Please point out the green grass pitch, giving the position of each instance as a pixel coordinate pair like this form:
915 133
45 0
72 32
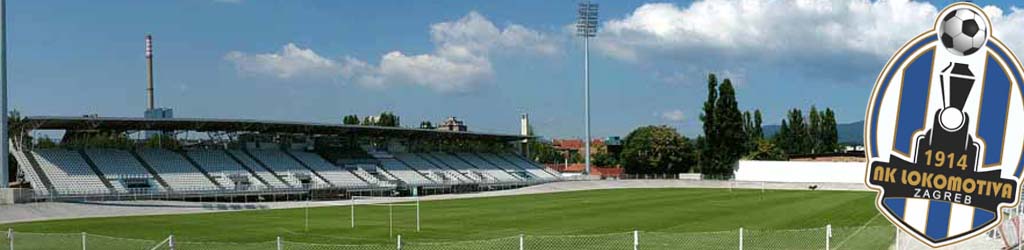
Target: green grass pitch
597 219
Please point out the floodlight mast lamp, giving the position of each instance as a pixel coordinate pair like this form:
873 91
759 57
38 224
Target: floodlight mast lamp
586 27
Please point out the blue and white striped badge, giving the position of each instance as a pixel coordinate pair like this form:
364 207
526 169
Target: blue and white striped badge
942 130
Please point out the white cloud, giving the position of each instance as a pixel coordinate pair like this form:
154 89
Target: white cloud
673 115
290 61
745 28
1008 27
838 40
461 59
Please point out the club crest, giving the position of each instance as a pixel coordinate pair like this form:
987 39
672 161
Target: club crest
944 130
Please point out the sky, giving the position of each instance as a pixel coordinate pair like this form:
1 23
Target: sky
485 62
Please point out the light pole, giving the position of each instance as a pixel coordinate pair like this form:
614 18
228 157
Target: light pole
586 27
4 166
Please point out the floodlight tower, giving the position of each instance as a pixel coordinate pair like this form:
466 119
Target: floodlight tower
586 27
4 166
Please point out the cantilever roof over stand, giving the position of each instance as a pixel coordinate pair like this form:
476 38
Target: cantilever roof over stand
244 125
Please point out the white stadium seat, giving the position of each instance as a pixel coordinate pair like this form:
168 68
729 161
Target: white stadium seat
176 171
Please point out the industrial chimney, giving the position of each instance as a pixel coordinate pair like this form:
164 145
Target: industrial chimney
152 112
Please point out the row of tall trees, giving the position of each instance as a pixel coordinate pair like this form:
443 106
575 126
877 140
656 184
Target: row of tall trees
729 134
815 134
385 119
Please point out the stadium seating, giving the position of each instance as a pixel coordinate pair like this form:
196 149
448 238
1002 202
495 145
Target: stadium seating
535 170
507 166
260 171
174 169
220 166
30 174
200 171
486 167
443 175
402 172
285 166
118 166
334 174
68 172
226 170
376 178
468 170
468 173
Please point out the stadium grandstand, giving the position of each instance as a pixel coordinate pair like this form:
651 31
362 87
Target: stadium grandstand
222 159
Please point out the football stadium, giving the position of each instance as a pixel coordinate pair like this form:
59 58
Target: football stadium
258 156
290 185
330 186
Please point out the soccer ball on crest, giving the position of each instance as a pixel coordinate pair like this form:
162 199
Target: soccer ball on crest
963 31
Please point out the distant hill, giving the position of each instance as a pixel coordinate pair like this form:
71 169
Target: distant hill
849 133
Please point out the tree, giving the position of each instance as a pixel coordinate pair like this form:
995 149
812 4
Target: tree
426 125
388 119
162 141
798 138
657 150
729 121
17 128
604 159
699 145
816 134
385 119
350 120
543 152
814 130
830 133
46 142
727 131
748 128
99 139
758 132
766 151
782 138
708 158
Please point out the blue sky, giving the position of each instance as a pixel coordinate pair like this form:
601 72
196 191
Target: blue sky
482 61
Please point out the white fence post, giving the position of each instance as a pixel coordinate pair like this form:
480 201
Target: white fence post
83 241
399 242
636 239
741 238
521 242
279 247
417 213
10 237
391 224
170 242
828 236
310 197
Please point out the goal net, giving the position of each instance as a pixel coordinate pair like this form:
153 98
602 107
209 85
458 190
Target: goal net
394 213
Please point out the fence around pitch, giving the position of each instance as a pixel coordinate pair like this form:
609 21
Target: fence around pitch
875 237
267 194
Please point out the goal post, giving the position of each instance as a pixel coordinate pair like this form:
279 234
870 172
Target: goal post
391 203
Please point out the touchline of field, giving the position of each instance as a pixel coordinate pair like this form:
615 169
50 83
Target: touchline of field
552 214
